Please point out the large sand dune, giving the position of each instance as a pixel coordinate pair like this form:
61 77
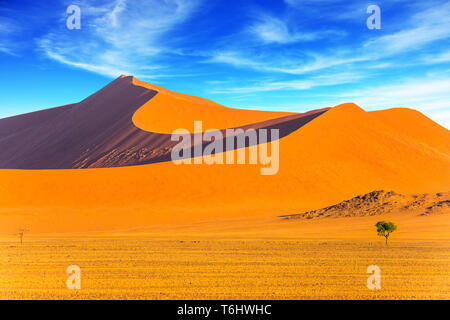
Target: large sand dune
100 131
341 153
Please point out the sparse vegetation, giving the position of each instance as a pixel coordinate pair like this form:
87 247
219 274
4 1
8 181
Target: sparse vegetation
384 229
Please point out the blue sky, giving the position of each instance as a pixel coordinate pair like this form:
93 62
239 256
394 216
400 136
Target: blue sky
291 55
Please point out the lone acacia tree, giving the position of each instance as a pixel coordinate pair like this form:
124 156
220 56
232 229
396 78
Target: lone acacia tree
384 229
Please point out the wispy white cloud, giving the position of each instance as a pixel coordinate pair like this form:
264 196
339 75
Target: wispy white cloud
7 26
8 29
235 59
274 30
118 37
303 3
107 69
423 28
309 63
411 90
319 62
442 117
437 58
303 84
428 95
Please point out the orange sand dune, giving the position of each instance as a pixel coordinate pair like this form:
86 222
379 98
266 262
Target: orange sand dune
169 110
98 132
341 153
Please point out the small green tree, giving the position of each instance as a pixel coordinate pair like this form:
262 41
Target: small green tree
384 229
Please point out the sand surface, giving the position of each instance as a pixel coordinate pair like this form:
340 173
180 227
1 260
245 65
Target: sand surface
297 259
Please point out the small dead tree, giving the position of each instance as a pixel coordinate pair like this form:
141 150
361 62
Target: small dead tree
21 234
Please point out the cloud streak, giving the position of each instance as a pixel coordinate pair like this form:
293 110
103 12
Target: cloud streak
428 26
121 37
274 30
428 95
298 85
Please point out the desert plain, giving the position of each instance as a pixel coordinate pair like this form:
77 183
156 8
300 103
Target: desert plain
318 259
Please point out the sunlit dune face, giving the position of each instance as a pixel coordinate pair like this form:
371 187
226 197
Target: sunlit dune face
169 111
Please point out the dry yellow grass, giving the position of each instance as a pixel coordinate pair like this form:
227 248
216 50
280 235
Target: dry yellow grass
206 268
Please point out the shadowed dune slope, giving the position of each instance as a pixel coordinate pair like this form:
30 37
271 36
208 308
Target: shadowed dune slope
341 153
99 131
